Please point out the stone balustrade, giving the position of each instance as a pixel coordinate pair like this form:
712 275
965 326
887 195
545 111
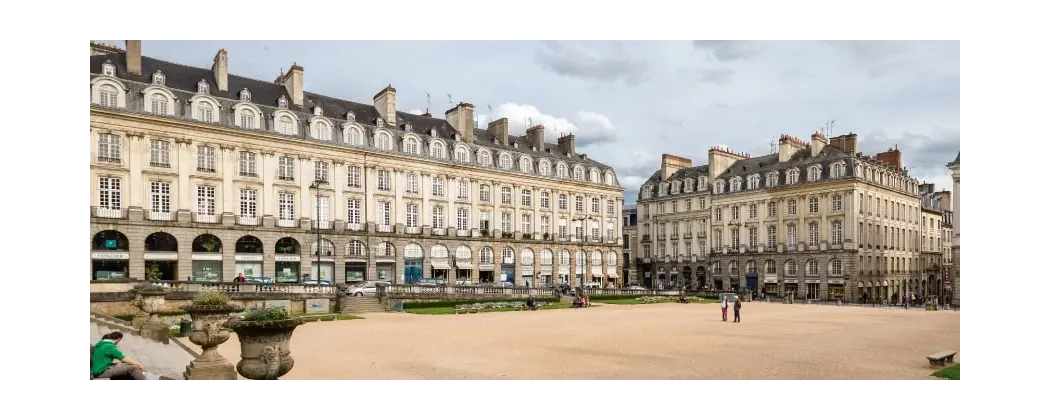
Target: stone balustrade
230 288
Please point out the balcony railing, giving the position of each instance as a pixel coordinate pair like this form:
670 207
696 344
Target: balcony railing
322 224
288 223
163 216
249 220
205 218
354 226
384 228
437 231
224 287
462 232
205 169
106 159
109 213
160 164
413 230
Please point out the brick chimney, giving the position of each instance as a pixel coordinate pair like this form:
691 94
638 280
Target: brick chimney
788 147
534 135
219 68
846 142
134 56
817 142
385 102
500 129
462 119
293 82
891 157
669 164
567 144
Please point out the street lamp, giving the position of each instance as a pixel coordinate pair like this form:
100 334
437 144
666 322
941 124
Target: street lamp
316 185
583 230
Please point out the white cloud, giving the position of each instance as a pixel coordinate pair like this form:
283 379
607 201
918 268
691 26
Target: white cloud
589 127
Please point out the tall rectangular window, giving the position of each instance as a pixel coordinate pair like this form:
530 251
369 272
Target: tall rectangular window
108 148
286 206
321 172
286 168
321 210
160 197
383 213
734 235
752 238
814 234
771 236
206 200
248 203
353 211
384 181
464 190
109 193
437 187
205 159
247 119
579 203
505 196
526 197
462 221
412 215
563 202
595 204
545 200
437 217
505 222
545 224
563 229
159 153
526 223
791 240
247 164
836 203
485 194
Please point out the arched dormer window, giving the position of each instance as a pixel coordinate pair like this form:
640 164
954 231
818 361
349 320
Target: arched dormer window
594 176
318 111
545 167
411 145
286 125
792 176
247 116
352 135
525 164
610 179
203 88
577 173
504 161
838 170
772 179
159 100
720 187
814 173
752 181
205 112
158 78
734 184
383 141
108 96
282 102
437 149
562 170
484 158
462 154
108 69
245 95
321 130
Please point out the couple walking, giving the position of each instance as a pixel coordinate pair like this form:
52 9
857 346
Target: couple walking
736 309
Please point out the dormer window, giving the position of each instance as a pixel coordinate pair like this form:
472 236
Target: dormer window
379 122
408 128
246 95
318 110
108 69
158 78
282 102
675 187
202 87
689 185
433 132
350 117
456 136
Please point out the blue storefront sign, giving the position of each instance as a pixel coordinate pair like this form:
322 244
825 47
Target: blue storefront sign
111 244
413 271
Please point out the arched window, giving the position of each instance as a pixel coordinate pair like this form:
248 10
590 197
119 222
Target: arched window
322 131
205 112
504 161
109 240
596 258
790 268
838 170
385 249
411 146
527 257
246 119
563 257
355 249
751 267
734 269
610 259
771 179
108 96
327 248
563 171
734 184
771 267
207 243
546 257
812 268
610 179
485 256
792 176
716 268
577 173
413 252
158 104
594 176
835 267
383 141
484 158
545 168
581 260
814 173
752 181
437 150
353 136
286 246
720 187
463 253
525 164
438 251
248 245
508 256
285 125
462 154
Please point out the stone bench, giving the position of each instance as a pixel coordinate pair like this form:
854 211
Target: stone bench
939 358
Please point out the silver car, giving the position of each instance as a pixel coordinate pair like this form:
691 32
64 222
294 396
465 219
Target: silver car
367 288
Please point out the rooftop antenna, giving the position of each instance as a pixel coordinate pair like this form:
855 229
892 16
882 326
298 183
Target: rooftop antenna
831 129
773 145
449 98
428 99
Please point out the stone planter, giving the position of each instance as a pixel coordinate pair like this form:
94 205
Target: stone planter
152 303
208 332
265 351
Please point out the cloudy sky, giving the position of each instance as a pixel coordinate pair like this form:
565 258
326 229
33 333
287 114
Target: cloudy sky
629 102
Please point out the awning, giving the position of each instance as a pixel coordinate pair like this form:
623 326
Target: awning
463 265
440 265
563 270
546 270
486 267
597 271
613 275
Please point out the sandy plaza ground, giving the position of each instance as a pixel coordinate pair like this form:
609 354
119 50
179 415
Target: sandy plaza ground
657 341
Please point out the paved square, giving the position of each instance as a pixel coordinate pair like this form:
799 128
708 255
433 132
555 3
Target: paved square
658 341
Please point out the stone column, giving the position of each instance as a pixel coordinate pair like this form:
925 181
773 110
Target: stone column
269 204
338 181
228 169
305 204
136 154
184 159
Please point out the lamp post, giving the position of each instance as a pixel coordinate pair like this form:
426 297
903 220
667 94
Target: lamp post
583 231
316 185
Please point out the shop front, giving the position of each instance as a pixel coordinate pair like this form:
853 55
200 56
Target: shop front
812 288
687 278
546 275
161 257
791 287
719 282
355 271
506 273
207 266
701 277
413 270
613 275
439 268
486 273
250 266
673 283
464 268
563 274
324 271
527 279
385 269
769 285
661 278
109 256
286 268
836 289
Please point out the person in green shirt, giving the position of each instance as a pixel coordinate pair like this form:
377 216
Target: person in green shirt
104 355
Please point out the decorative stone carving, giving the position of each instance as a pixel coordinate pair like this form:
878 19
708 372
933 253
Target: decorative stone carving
265 351
152 302
208 332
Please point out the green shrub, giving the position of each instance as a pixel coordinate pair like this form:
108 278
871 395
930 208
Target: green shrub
266 314
211 298
451 303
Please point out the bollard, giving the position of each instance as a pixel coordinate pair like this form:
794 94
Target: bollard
185 327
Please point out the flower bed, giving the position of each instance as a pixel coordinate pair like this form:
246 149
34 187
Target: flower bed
497 305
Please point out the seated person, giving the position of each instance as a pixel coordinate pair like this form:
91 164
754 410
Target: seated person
531 303
577 302
108 362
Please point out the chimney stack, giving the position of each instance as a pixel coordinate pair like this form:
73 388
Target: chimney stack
134 56
219 69
669 164
385 103
462 119
817 143
500 129
293 82
567 144
534 135
846 142
789 146
891 157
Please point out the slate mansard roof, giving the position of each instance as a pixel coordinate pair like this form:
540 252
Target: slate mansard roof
182 81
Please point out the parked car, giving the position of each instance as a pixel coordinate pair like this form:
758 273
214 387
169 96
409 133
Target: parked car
634 287
463 283
592 285
430 282
367 288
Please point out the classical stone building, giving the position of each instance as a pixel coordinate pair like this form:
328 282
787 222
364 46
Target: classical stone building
630 239
955 169
814 219
936 240
201 174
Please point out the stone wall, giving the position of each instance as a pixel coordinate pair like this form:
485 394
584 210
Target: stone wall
296 305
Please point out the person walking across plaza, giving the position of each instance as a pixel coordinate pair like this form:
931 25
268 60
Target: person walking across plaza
736 311
725 308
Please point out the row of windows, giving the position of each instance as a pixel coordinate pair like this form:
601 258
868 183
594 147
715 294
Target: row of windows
834 235
884 207
790 267
246 115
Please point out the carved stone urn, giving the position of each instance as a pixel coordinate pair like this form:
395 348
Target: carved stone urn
151 301
265 347
209 333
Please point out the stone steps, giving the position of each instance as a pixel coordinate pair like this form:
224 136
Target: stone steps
168 361
360 305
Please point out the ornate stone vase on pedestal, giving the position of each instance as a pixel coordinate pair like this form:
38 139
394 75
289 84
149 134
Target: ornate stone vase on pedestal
208 332
151 301
265 351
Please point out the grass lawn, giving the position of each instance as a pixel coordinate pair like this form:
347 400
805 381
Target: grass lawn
950 372
449 310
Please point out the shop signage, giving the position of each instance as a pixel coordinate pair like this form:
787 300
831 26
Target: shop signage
286 258
248 257
111 244
812 281
563 270
161 256
834 281
109 255
791 281
207 257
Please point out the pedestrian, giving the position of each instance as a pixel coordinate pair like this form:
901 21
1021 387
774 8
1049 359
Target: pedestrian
736 311
725 307
239 278
907 300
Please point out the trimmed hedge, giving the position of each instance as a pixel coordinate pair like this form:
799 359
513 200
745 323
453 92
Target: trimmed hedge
453 303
